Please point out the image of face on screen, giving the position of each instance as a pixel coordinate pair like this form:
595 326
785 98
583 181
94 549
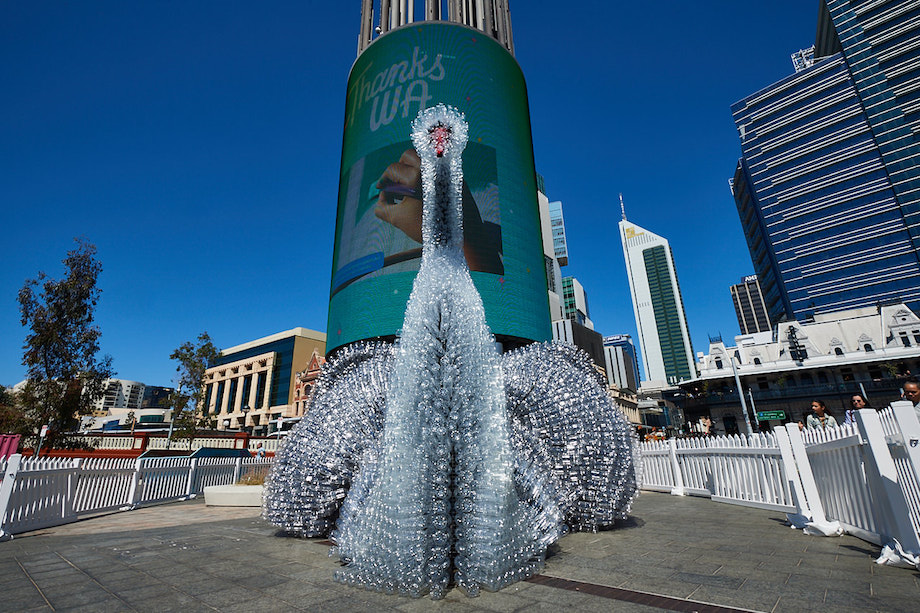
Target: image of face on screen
381 229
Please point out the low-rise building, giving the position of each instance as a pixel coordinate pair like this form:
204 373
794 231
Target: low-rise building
304 382
626 400
867 350
251 386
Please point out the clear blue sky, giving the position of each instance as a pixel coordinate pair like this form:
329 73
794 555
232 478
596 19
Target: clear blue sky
197 144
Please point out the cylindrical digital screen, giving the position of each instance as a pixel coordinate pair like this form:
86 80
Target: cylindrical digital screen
378 225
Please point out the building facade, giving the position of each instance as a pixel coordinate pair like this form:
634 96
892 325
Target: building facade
750 307
119 394
828 186
867 351
621 361
571 332
575 302
551 264
664 338
304 383
251 385
557 226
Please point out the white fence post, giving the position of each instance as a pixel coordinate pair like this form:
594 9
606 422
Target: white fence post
803 515
678 489
237 471
190 486
134 493
6 491
906 418
67 504
809 487
882 474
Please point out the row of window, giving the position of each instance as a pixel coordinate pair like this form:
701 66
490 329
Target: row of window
232 405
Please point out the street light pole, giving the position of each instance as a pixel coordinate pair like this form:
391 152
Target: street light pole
744 409
244 410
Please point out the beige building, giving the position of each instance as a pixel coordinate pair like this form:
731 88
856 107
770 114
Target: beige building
252 385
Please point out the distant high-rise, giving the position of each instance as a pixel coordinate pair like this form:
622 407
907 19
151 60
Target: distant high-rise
622 363
553 273
828 188
557 223
750 306
664 338
575 302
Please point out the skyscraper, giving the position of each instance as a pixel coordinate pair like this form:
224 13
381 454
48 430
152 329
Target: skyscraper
557 223
622 364
664 338
750 307
575 302
551 263
828 188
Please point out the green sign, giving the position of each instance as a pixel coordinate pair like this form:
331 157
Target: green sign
377 248
768 415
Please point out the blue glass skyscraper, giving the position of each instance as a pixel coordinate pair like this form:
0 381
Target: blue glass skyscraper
828 188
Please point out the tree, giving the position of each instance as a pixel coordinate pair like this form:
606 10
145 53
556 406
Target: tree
12 418
192 360
64 376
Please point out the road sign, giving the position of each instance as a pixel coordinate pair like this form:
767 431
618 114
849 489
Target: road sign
768 415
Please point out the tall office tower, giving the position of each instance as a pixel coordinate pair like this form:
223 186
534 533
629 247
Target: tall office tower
622 363
575 302
413 55
664 339
750 306
557 222
828 188
553 272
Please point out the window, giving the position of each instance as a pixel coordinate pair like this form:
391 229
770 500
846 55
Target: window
822 377
904 340
838 351
867 347
756 360
718 363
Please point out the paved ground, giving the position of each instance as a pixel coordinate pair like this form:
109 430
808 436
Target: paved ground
674 553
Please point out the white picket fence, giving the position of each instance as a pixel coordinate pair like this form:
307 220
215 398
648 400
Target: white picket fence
862 479
46 492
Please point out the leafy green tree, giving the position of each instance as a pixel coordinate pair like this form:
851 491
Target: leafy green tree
12 418
64 376
192 360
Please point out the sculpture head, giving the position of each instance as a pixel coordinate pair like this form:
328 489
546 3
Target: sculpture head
438 131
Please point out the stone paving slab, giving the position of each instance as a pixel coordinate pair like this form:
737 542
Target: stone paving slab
702 554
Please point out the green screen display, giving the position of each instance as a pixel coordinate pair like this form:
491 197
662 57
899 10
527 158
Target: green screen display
377 237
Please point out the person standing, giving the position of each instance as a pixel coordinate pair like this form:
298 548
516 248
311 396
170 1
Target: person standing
858 402
910 388
820 419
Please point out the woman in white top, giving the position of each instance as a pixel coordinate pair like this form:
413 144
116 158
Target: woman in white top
820 419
